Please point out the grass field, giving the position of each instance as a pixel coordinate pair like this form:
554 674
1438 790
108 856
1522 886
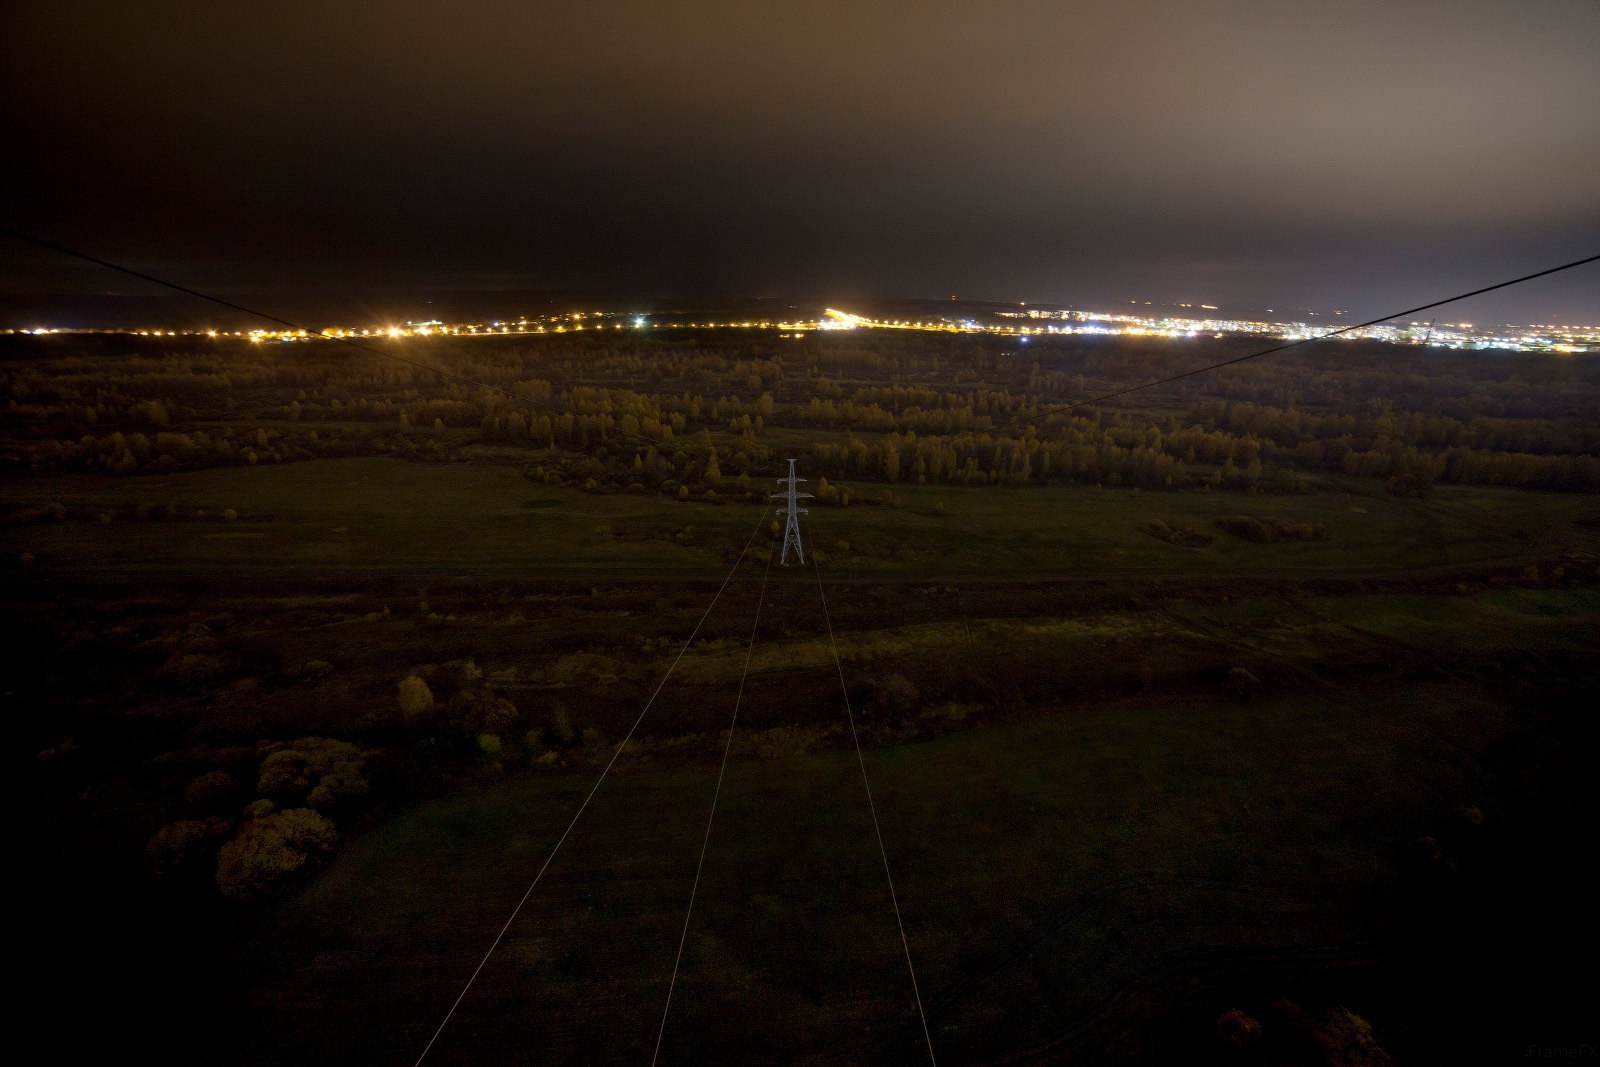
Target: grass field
386 516
1044 869
1057 874
1135 786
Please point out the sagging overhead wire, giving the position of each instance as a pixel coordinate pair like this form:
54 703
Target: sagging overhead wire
1087 401
509 394
590 796
1331 333
536 403
872 807
716 794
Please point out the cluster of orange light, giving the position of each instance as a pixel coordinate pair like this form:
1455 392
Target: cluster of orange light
1570 339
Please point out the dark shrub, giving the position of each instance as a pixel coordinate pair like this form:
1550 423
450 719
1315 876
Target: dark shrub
318 771
268 854
1268 531
1183 536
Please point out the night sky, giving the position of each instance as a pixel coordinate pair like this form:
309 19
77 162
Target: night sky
1351 155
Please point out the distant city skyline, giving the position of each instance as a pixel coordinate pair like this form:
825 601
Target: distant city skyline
1020 322
102 299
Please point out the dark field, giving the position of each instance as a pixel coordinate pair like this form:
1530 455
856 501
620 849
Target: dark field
1284 760
390 517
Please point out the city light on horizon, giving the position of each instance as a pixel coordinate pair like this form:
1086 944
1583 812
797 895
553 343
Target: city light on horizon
1037 321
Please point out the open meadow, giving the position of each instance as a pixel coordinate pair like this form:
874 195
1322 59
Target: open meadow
1263 708
383 516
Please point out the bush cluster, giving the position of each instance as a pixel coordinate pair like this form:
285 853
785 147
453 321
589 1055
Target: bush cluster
1268 530
1185 536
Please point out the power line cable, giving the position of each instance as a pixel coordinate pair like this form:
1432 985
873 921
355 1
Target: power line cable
509 394
1336 333
1069 408
534 402
711 818
873 808
592 790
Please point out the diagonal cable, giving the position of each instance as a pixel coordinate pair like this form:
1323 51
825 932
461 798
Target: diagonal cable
1069 408
873 808
1332 333
592 790
509 394
711 818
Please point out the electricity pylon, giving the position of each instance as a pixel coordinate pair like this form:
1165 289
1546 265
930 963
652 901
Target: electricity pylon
793 511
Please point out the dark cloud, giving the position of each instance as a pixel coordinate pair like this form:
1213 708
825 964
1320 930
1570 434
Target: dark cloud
1258 152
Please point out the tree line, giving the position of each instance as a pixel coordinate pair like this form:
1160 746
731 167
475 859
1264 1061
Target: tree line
699 414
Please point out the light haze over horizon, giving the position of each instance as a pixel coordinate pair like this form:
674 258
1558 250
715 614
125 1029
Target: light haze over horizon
1249 154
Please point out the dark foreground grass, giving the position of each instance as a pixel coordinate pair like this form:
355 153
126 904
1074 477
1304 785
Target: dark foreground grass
1050 871
1109 837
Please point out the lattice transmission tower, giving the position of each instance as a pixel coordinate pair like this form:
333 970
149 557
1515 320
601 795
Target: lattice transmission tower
792 511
